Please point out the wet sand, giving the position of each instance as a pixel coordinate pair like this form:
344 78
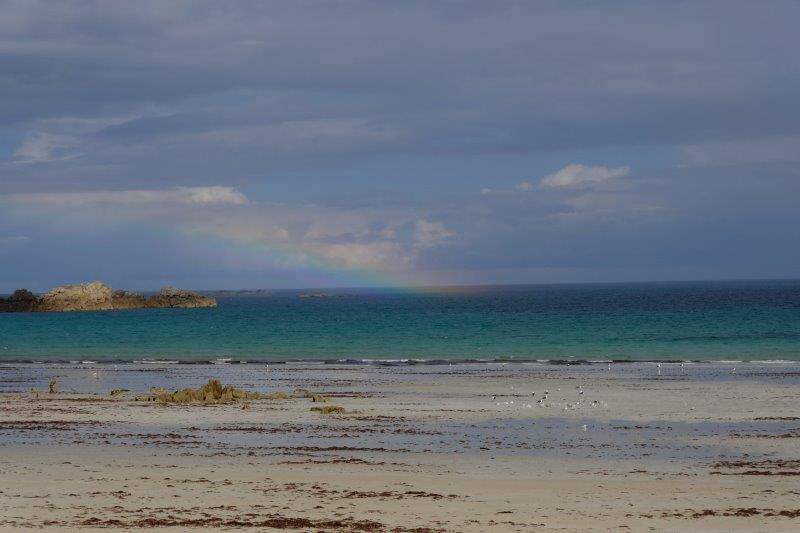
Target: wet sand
418 448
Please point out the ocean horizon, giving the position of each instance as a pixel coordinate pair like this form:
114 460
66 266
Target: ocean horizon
755 320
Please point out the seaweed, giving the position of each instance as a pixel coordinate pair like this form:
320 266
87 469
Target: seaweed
328 409
211 393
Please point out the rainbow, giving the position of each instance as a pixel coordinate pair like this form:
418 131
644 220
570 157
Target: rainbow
290 255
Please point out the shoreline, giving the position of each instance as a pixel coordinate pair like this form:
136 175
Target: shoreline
394 361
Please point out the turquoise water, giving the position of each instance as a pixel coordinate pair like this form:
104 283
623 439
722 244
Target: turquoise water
681 321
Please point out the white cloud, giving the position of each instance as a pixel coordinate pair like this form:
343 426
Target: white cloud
576 175
210 195
572 176
46 148
307 235
278 234
214 195
428 234
364 255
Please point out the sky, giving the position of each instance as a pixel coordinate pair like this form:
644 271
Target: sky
226 145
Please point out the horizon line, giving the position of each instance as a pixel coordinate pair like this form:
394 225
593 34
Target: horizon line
500 285
452 287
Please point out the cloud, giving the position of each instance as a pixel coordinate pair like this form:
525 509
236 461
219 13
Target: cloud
344 134
576 175
278 234
572 176
14 239
214 195
428 234
765 150
46 148
379 255
608 203
523 186
388 249
259 90
346 238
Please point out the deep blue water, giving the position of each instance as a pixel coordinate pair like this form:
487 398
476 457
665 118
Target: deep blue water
686 321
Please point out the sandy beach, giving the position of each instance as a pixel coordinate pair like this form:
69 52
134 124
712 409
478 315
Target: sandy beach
468 447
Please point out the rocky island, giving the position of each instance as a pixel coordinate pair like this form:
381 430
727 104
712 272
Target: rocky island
97 296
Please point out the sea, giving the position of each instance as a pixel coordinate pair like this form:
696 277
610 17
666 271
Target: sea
724 321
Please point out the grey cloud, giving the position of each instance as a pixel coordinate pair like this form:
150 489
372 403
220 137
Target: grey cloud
764 150
373 123
514 77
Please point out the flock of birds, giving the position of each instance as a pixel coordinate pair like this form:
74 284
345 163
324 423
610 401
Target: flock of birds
542 401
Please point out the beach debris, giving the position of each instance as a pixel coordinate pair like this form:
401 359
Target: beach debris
328 409
319 398
53 388
211 393
118 392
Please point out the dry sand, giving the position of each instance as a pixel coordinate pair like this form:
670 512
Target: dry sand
417 449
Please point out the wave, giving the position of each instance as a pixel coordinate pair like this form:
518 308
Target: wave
392 362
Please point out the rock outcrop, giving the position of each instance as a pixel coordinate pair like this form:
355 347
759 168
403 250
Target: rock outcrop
97 296
172 297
